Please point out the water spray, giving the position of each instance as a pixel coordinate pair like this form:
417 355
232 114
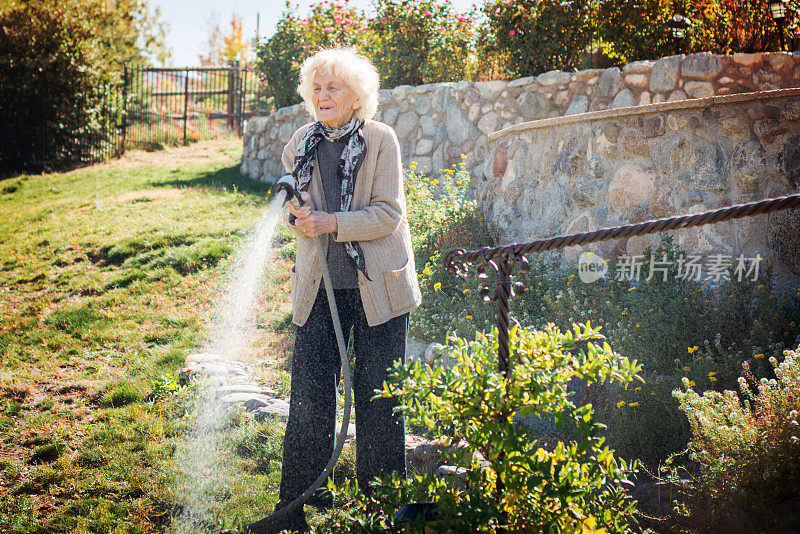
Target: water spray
286 187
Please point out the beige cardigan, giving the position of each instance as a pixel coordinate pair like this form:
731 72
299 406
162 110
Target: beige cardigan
377 220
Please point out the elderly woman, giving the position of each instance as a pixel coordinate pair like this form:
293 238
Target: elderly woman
349 165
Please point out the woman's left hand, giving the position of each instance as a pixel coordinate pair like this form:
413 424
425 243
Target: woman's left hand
317 223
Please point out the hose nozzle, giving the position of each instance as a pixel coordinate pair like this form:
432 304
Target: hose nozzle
293 195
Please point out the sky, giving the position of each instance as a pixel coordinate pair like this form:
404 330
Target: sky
188 21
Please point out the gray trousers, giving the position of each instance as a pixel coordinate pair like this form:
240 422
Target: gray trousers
310 431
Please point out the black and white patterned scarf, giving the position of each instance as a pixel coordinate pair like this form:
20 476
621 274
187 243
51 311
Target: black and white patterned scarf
352 156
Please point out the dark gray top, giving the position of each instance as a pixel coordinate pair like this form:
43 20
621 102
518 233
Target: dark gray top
344 274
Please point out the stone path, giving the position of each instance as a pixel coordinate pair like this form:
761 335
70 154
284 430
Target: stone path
233 384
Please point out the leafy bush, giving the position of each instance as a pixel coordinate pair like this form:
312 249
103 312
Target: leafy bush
279 57
535 36
563 482
410 42
747 447
635 29
675 328
58 61
421 41
442 218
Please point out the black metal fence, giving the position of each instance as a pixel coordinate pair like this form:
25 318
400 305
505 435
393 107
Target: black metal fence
178 105
44 129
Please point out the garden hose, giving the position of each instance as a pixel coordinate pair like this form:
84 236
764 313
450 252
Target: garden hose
265 526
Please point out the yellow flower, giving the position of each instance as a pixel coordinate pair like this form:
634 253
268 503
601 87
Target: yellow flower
712 373
686 369
712 378
469 317
463 156
458 182
638 388
677 360
437 286
691 349
637 325
434 181
426 271
758 356
466 290
691 383
624 312
634 404
620 404
631 288
652 393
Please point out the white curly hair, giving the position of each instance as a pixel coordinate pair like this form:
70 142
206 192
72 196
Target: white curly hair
354 69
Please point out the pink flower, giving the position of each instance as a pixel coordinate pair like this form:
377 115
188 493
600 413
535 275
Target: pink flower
427 13
440 29
383 19
328 29
511 33
305 47
348 21
337 18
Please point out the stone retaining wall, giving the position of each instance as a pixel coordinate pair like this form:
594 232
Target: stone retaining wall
575 174
437 123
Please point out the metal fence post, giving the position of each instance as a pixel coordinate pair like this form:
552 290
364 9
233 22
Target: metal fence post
231 96
124 106
185 103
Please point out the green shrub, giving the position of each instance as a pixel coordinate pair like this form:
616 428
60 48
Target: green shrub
278 58
60 67
565 482
421 41
534 36
747 447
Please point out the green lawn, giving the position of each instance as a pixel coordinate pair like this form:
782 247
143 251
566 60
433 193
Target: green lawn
107 277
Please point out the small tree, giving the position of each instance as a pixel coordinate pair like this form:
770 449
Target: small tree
535 36
567 481
635 29
421 41
221 48
279 57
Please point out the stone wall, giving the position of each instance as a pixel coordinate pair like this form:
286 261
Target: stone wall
437 123
574 174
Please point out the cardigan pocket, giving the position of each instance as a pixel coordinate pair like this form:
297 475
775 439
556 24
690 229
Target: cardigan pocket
399 284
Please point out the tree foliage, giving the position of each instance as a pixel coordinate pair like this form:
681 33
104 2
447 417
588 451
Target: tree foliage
535 36
56 61
225 48
279 57
421 41
563 481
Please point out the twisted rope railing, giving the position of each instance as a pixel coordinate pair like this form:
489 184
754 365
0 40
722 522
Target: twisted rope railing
502 259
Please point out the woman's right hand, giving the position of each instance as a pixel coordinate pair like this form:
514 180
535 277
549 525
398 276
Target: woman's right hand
304 210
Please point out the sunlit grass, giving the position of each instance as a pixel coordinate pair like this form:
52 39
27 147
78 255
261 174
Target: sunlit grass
107 278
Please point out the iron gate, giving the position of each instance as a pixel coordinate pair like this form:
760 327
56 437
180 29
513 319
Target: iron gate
178 105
